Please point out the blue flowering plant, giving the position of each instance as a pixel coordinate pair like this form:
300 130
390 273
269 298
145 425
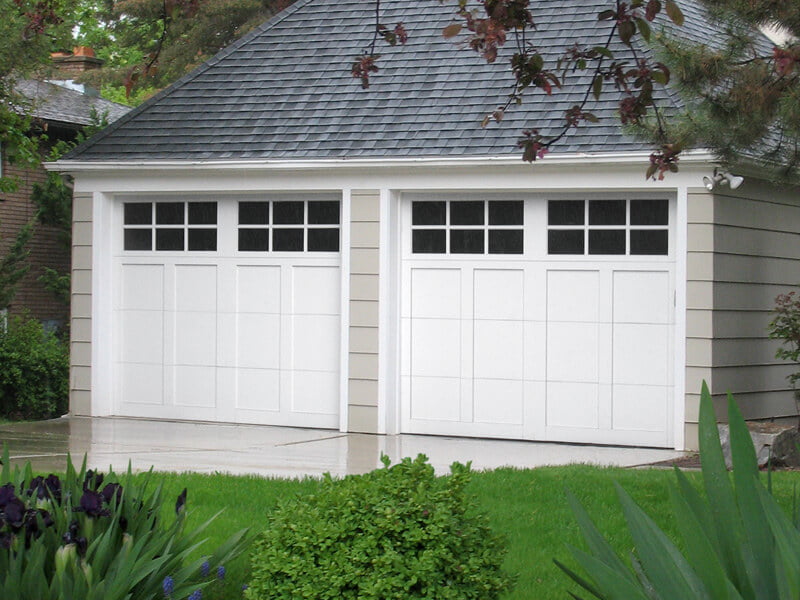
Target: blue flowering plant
99 537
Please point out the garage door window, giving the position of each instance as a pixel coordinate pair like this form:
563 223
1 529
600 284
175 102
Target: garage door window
170 226
608 227
293 226
467 227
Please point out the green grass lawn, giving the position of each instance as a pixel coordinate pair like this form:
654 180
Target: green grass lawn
528 507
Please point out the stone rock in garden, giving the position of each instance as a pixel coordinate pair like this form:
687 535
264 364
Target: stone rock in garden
781 440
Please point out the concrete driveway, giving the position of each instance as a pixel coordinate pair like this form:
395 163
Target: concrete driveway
278 451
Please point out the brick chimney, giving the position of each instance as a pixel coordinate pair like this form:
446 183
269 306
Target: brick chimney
80 60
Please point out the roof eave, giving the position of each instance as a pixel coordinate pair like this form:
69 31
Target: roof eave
619 158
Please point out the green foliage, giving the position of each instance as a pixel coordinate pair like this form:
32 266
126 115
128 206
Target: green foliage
737 542
93 537
786 326
397 532
34 378
741 92
13 266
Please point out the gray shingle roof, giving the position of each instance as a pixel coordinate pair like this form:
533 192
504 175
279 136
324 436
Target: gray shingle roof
54 103
285 92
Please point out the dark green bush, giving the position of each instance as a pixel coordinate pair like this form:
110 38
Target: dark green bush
90 536
397 532
34 371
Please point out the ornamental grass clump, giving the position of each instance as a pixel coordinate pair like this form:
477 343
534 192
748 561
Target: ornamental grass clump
89 536
737 542
398 532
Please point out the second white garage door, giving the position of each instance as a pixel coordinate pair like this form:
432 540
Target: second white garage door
539 318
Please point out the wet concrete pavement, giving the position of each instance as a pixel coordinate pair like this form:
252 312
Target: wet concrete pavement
278 451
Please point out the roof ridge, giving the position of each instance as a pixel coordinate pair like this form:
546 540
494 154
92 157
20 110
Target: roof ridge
193 74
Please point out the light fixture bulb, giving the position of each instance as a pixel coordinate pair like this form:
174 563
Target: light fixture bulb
735 181
708 182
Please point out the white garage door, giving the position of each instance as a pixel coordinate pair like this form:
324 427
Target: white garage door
539 318
228 310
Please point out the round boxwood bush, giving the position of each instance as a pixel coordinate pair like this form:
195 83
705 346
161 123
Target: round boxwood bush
397 532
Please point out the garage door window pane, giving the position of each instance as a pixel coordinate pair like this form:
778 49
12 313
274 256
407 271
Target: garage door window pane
606 212
323 240
565 241
138 239
506 212
138 213
650 242
170 213
429 241
253 213
649 212
287 213
253 240
202 213
203 240
607 241
466 213
505 241
565 212
428 213
323 213
169 239
466 241
287 240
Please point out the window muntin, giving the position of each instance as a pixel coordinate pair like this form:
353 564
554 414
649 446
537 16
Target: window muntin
608 227
170 226
289 226
467 227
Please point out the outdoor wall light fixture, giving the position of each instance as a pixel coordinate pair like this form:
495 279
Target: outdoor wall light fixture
722 178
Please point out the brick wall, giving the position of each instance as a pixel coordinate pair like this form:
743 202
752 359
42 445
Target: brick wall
16 209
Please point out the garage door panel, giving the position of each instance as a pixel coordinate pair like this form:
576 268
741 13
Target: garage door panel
642 354
498 401
195 338
258 338
498 350
315 392
572 352
573 296
143 336
499 294
436 293
258 289
436 347
315 290
141 384
642 297
195 387
640 407
258 389
573 405
436 398
142 287
315 343
195 288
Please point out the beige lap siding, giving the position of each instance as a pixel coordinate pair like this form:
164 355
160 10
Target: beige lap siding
364 286
744 249
80 399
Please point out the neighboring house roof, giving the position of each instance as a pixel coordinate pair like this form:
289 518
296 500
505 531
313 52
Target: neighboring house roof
58 104
285 91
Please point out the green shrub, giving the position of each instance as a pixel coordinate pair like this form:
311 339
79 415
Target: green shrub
34 372
737 542
88 536
397 532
